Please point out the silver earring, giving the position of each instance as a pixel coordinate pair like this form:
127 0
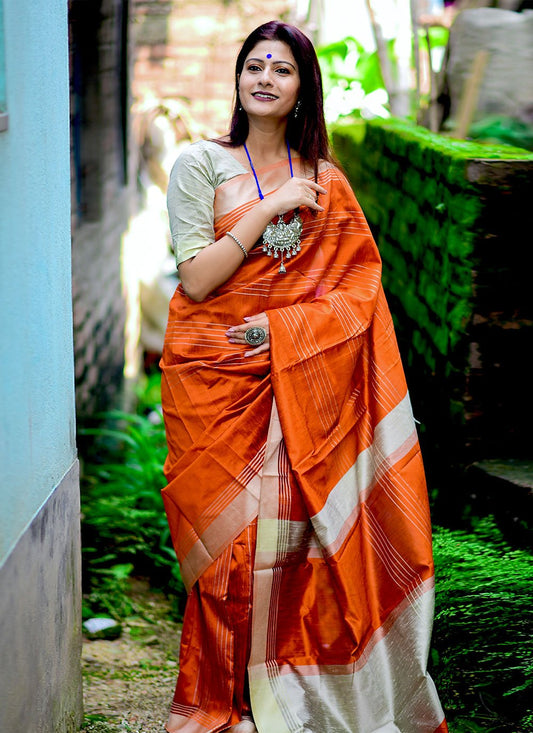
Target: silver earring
297 108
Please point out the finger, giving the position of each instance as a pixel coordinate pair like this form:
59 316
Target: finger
237 334
317 187
308 182
259 350
242 328
236 337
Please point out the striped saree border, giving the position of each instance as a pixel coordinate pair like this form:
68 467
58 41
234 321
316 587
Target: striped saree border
385 690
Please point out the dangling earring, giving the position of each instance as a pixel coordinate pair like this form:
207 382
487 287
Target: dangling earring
297 108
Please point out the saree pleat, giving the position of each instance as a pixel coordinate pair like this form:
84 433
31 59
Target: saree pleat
215 642
296 495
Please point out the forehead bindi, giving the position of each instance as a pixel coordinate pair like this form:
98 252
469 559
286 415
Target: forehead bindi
273 51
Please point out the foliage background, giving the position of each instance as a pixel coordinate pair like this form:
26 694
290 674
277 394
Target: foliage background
124 527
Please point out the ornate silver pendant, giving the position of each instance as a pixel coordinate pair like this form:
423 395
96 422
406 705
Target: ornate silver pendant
282 238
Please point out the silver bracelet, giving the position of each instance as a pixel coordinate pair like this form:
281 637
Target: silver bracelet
238 241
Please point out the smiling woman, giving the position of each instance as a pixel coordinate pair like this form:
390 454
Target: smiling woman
270 82
296 496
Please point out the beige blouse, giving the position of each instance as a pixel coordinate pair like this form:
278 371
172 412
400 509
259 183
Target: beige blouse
198 171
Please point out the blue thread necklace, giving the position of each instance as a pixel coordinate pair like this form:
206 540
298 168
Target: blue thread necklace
280 239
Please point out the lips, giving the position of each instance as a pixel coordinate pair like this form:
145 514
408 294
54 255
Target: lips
264 95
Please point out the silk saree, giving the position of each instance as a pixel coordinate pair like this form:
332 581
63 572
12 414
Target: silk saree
296 495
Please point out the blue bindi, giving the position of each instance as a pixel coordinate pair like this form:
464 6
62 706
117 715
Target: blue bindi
269 55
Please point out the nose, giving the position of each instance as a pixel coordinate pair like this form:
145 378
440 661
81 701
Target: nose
265 78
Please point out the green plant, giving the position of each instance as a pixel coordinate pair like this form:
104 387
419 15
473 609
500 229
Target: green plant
148 393
482 658
352 80
124 527
502 130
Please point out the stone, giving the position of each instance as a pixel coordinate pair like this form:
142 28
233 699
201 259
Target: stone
507 86
102 628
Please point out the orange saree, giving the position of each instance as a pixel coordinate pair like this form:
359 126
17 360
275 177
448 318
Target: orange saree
296 495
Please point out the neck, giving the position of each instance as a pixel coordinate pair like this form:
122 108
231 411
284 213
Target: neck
267 144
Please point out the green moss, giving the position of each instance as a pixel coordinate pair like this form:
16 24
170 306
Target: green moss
395 269
459 316
465 209
427 196
461 288
460 242
437 298
451 147
419 342
354 131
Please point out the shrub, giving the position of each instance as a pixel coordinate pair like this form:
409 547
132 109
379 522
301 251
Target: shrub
124 527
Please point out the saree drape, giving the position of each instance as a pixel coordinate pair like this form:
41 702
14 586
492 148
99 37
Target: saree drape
296 495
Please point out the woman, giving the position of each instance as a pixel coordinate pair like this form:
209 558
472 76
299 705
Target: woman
296 496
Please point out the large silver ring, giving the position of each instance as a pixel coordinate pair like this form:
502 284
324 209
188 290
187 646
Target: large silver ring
255 336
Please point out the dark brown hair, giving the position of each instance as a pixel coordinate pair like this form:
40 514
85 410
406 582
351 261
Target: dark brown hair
306 132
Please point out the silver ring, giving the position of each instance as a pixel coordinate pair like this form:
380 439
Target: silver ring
255 336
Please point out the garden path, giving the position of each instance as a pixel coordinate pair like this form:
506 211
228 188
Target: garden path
129 682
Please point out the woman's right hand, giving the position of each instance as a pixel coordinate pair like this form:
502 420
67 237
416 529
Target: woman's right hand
294 193
215 264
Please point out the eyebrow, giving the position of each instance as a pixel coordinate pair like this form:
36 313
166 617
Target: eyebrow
280 61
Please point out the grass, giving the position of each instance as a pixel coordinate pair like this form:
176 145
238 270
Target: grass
482 657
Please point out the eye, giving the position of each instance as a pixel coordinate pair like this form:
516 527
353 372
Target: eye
283 70
253 67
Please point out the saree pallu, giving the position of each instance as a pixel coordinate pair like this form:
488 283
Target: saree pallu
296 495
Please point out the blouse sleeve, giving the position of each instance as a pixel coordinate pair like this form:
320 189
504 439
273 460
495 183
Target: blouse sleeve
190 201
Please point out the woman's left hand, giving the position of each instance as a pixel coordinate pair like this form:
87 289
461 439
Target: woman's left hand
235 334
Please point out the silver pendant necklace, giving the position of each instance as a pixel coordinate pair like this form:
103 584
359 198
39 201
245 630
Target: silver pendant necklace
280 239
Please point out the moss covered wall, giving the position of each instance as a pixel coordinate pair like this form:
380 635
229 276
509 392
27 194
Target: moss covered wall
452 222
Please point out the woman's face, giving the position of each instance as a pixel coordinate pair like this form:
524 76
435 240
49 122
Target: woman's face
269 82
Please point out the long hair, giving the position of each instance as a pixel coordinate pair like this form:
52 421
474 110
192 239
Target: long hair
306 131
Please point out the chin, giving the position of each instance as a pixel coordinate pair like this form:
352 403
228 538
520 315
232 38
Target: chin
268 112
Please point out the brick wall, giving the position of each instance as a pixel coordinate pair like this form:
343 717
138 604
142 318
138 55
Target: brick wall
185 51
103 164
450 218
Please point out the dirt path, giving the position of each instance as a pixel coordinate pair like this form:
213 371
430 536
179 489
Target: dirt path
129 682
